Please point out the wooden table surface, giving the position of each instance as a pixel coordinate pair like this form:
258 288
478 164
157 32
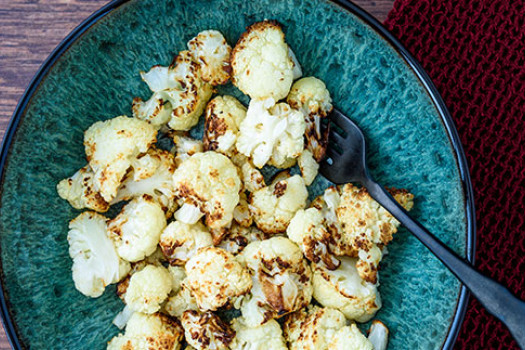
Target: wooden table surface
31 29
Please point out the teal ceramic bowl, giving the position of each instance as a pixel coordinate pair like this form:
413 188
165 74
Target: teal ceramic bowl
94 75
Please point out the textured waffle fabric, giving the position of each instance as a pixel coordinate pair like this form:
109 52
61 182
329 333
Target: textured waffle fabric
474 51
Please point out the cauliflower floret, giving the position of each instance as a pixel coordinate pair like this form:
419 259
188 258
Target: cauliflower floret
296 70
212 52
310 96
273 207
178 90
238 237
252 179
186 147
216 278
148 288
271 133
268 336
224 115
136 229
182 301
206 331
154 177
313 329
261 63
309 167
210 182
152 332
241 213
308 231
378 335
111 146
180 241
344 290
178 274
350 338
95 260
79 190
281 280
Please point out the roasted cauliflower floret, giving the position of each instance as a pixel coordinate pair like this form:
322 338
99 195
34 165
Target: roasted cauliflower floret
111 146
178 90
261 63
205 330
186 147
241 213
271 133
212 53
273 207
154 177
210 182
308 231
148 289
137 228
181 301
378 335
238 237
344 290
313 329
95 260
180 241
310 96
309 167
281 280
216 278
350 338
79 191
268 336
152 332
224 115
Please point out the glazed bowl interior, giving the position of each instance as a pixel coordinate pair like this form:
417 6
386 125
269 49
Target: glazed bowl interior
97 77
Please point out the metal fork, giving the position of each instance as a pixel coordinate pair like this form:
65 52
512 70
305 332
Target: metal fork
346 162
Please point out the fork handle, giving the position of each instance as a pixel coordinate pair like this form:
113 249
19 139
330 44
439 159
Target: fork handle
497 299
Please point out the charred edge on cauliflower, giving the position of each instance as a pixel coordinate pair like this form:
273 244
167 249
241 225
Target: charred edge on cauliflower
207 323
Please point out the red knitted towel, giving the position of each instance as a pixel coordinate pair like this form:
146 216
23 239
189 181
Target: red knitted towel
474 51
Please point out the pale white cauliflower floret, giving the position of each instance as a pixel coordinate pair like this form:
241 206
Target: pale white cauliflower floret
310 96
179 94
210 182
350 338
345 290
111 146
261 63
152 176
252 178
152 332
308 231
181 301
205 330
216 278
180 241
224 115
268 336
137 228
281 280
273 207
79 190
95 260
309 167
185 147
313 329
212 53
178 274
378 335
271 133
148 289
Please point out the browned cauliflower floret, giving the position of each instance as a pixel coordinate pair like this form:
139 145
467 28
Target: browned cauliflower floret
273 207
111 146
238 237
205 330
281 280
207 183
212 52
309 166
181 301
345 290
185 147
261 62
79 190
180 241
152 332
216 278
224 115
148 289
310 96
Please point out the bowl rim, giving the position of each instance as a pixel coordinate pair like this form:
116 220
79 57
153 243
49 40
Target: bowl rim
461 160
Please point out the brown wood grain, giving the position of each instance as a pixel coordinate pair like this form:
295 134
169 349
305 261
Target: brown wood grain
31 29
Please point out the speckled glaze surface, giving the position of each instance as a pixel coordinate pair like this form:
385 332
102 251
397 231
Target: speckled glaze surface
98 77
